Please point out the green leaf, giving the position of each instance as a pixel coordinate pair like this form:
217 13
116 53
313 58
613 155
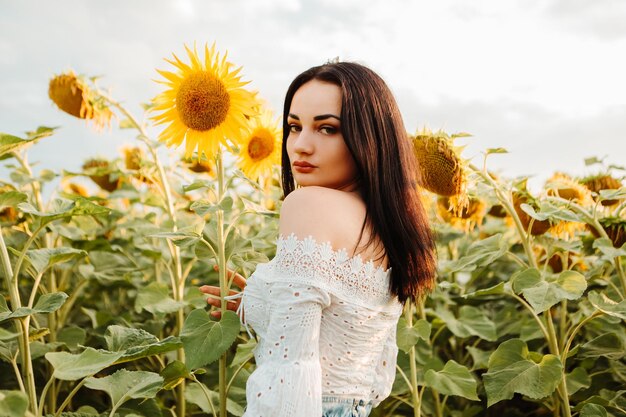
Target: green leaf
257 208
173 374
10 143
407 337
72 336
4 309
603 303
592 160
137 343
198 184
11 199
155 299
525 279
479 357
13 403
205 340
196 395
453 379
612 194
245 352
494 290
512 371
183 237
496 150
471 322
168 344
593 410
609 252
480 253
608 345
61 208
42 259
70 367
47 303
576 380
124 385
569 285
119 338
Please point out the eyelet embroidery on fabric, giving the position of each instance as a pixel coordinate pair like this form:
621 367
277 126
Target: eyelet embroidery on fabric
308 261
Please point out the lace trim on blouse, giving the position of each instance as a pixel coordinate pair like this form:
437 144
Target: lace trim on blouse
317 263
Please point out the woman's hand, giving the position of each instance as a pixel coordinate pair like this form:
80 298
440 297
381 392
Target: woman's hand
214 293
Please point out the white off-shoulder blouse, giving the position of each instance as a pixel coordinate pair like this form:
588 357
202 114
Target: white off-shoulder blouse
326 327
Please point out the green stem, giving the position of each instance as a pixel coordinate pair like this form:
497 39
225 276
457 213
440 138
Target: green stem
221 262
239 368
571 336
406 378
420 395
18 374
20 258
42 398
35 185
532 312
517 260
69 397
408 315
207 394
438 410
22 327
552 340
563 324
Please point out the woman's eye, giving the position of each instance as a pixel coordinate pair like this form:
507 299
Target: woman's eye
328 130
294 128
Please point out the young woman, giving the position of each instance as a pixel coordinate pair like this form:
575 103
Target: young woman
354 244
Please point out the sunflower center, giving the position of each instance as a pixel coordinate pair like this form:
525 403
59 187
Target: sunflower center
202 101
260 145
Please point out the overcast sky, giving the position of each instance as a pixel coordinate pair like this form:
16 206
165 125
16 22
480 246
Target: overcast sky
543 79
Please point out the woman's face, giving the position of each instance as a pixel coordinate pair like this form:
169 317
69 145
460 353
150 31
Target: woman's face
315 138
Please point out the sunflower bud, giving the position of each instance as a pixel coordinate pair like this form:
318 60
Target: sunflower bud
602 182
465 219
99 171
539 227
72 95
564 186
615 228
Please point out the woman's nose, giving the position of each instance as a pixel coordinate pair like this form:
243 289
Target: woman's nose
304 142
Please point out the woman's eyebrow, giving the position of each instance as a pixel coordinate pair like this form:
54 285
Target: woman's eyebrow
293 116
326 116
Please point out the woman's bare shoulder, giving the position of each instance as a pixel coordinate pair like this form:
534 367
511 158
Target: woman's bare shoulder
324 213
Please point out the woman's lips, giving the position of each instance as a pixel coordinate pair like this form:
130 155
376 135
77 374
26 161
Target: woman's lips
304 169
303 166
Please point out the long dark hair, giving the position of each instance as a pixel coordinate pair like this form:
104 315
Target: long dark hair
374 133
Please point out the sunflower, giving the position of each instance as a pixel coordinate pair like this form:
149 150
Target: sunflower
132 157
261 146
467 218
73 95
99 170
615 228
200 166
599 182
442 170
73 188
539 227
564 186
204 103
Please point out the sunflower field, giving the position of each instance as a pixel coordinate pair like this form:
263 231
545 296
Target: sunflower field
101 315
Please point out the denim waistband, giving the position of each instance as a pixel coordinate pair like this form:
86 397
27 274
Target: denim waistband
327 399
